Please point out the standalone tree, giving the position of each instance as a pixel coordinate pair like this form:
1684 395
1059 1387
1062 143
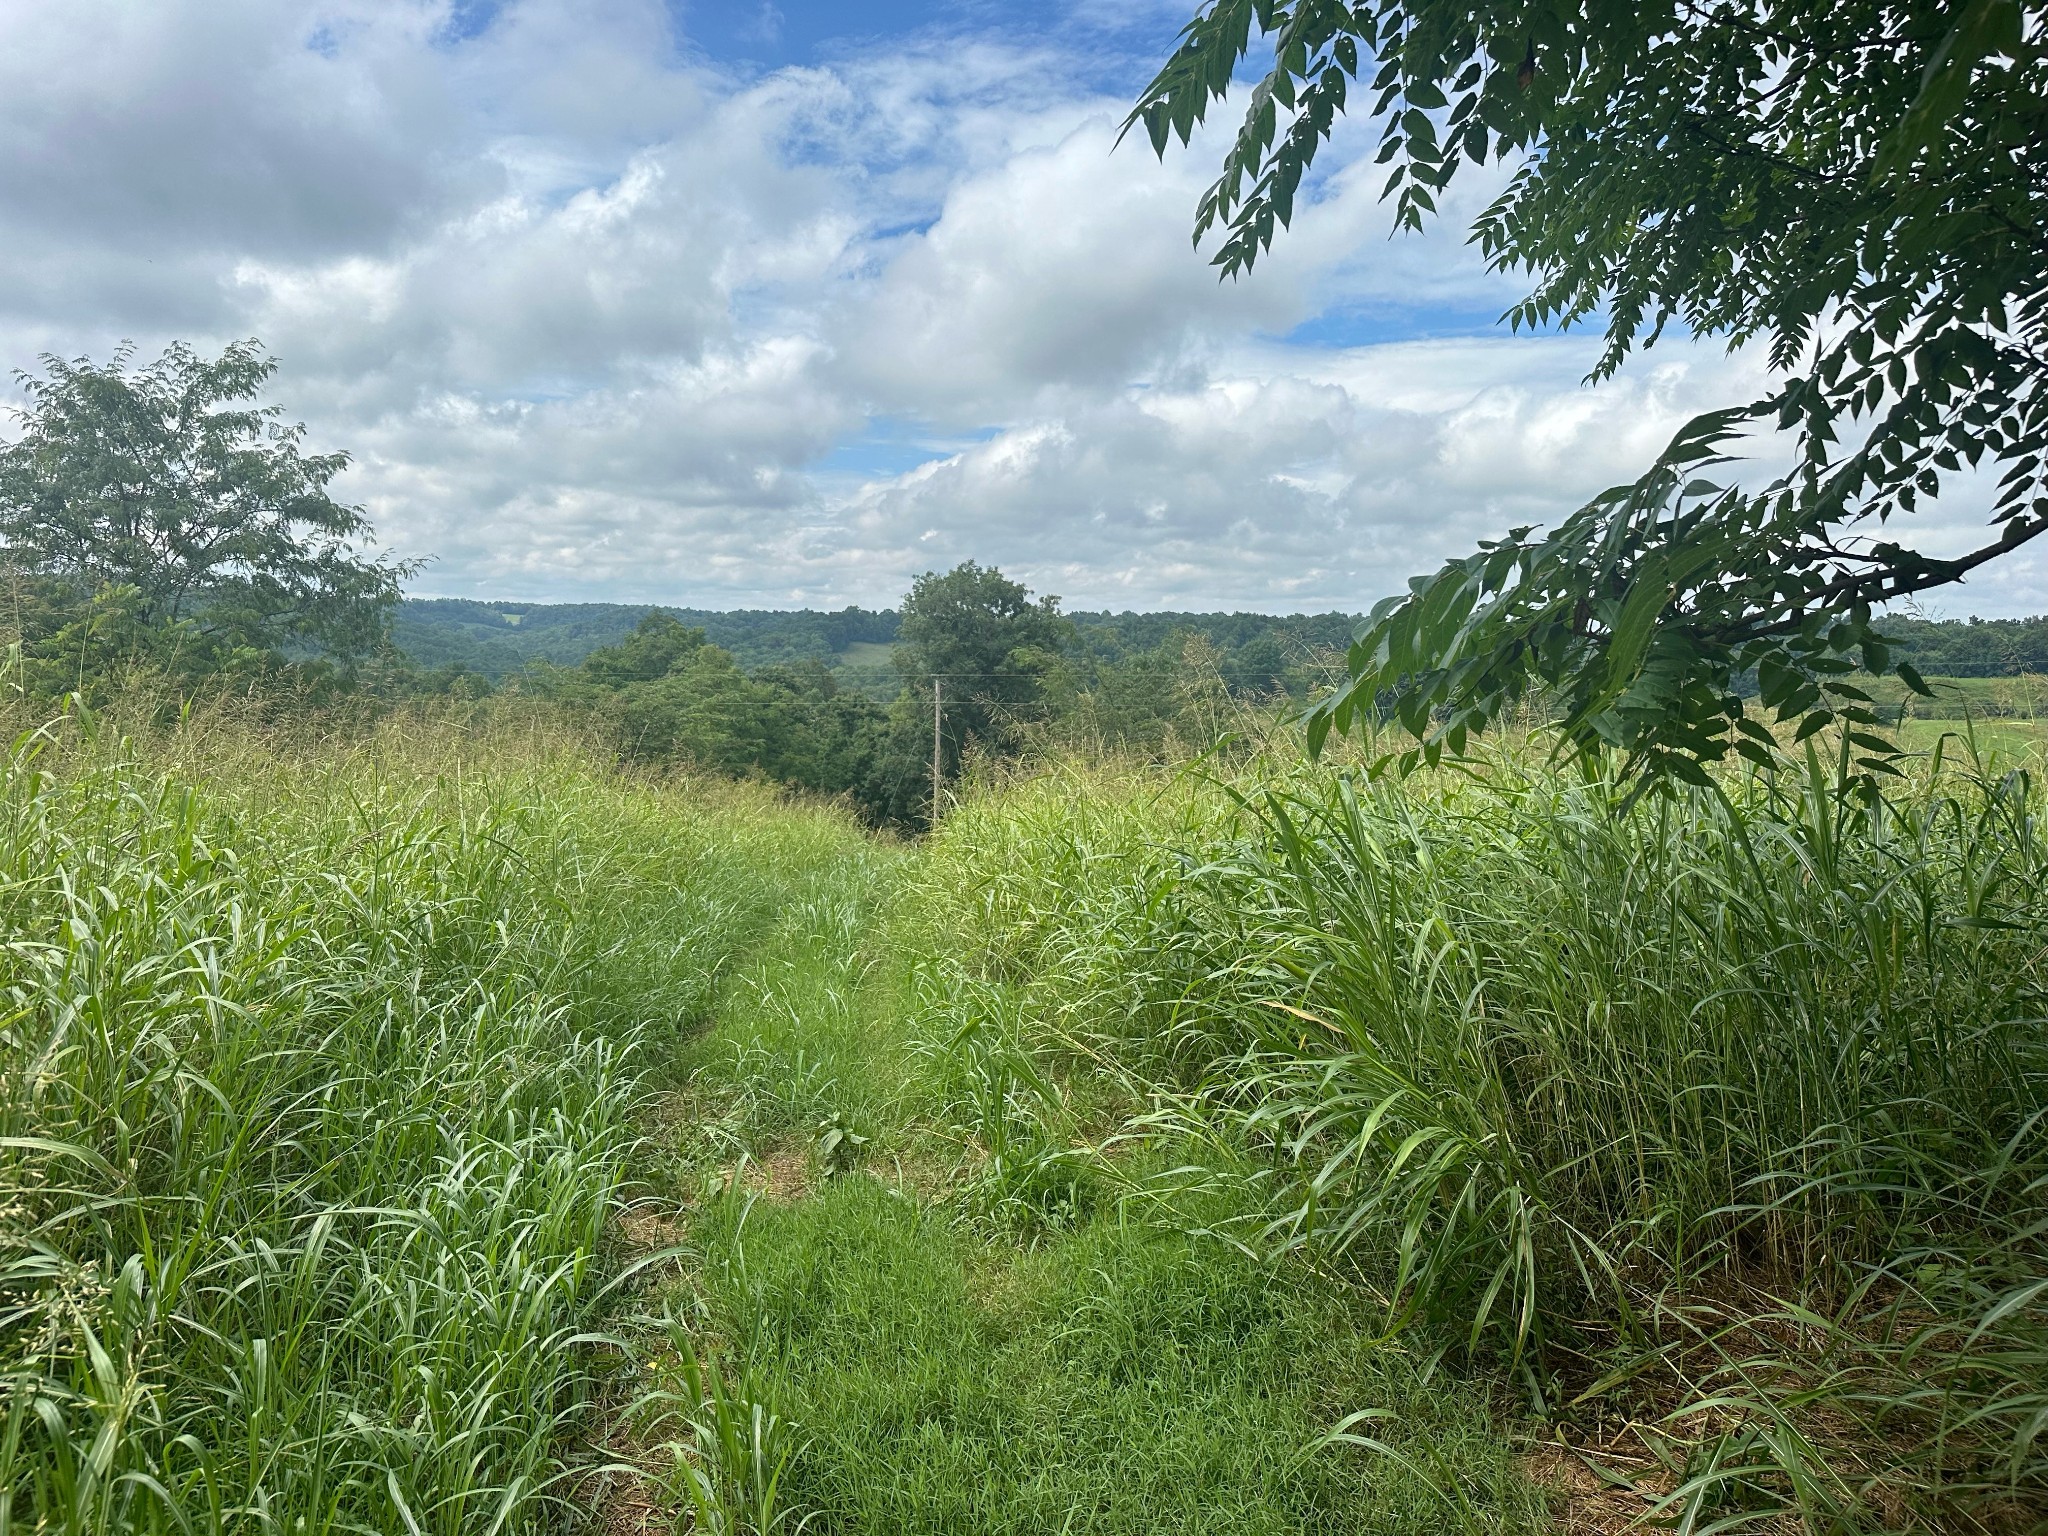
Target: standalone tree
986 641
170 484
1859 187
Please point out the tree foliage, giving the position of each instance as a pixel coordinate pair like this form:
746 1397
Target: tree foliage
1860 189
989 642
657 643
670 695
171 485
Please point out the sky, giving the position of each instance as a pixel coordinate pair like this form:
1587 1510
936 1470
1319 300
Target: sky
724 303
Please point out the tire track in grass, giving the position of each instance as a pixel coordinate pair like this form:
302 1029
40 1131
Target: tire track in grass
786 1056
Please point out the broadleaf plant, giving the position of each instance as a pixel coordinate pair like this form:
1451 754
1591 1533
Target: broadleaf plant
1860 189
172 489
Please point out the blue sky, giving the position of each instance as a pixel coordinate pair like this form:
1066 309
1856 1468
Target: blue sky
757 34
747 34
731 304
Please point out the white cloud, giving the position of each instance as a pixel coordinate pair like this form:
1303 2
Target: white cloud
1277 480
598 321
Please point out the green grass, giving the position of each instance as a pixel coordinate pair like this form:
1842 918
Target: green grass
336 1073
2006 717
2024 697
2014 743
321 1079
963 1345
1121 1377
440 1131
1737 1098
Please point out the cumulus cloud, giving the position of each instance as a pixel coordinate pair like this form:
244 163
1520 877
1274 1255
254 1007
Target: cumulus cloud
599 317
1277 480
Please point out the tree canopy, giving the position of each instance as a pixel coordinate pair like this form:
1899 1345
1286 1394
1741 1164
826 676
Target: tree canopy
671 695
170 485
987 639
656 644
1859 188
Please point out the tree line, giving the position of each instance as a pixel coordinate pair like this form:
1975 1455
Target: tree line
982 667
159 521
1256 652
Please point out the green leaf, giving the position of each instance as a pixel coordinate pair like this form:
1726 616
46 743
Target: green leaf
1854 212
1984 27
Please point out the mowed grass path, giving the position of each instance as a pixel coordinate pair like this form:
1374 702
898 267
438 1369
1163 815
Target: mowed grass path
965 1334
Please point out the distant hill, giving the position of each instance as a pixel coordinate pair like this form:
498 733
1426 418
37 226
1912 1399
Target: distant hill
500 638
1255 651
1974 647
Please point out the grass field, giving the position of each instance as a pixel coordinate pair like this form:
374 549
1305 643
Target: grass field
870 668
2024 697
2020 742
438 1130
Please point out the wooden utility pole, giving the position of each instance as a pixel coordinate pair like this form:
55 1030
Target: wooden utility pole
938 684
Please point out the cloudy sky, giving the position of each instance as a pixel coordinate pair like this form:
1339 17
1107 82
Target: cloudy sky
728 303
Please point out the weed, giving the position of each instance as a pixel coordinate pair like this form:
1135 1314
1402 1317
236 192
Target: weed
729 1469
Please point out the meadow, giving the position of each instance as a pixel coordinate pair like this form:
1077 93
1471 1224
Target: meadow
433 1127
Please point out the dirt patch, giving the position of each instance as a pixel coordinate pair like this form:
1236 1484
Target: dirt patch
1600 1490
1735 1345
782 1175
625 1497
625 1506
650 1227
924 1178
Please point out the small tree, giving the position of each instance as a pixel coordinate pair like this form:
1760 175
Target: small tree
1859 187
171 484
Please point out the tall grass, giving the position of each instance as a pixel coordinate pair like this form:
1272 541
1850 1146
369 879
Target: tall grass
325 1068
1727 1111
319 1069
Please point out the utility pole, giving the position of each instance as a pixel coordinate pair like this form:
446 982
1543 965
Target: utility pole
937 762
